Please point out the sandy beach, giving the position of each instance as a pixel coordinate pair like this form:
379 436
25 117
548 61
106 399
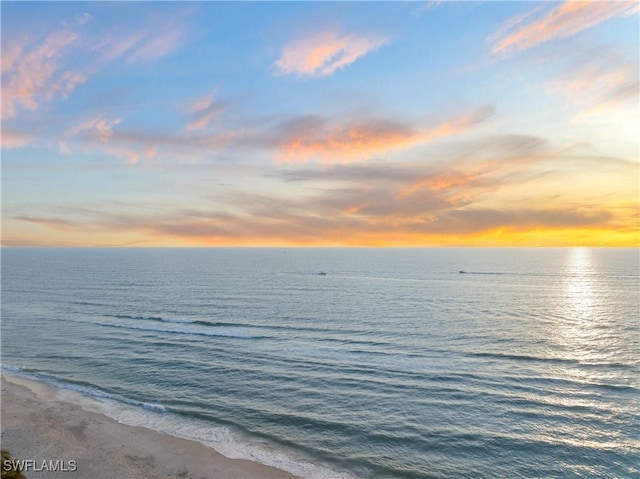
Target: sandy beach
38 426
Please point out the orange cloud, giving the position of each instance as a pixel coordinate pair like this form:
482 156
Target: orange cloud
467 226
324 53
454 201
566 19
344 143
312 138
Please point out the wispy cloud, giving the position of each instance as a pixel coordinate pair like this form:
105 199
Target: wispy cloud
99 127
37 71
158 44
109 135
203 111
96 134
309 138
297 139
50 222
564 20
155 39
598 81
426 6
33 73
459 124
79 19
324 53
141 45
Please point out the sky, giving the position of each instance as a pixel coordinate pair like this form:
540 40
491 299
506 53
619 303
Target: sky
320 123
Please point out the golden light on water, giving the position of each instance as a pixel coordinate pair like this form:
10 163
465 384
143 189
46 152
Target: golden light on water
582 329
579 286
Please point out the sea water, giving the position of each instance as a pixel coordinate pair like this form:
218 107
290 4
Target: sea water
396 363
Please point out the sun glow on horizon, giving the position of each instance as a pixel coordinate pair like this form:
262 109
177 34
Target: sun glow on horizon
373 125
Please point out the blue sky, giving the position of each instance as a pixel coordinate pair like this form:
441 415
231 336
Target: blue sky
281 123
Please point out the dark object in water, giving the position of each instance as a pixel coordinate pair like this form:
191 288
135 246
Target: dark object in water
462 272
322 273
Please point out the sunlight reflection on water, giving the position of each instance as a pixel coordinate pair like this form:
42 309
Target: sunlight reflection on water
583 328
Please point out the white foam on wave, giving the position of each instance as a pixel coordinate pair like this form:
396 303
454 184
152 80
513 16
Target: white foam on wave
159 418
226 442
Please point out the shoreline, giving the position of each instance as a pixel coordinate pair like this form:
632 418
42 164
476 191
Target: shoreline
39 426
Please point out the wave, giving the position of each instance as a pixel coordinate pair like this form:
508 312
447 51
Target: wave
147 318
483 272
228 333
176 321
15 369
526 357
523 357
180 424
80 387
216 324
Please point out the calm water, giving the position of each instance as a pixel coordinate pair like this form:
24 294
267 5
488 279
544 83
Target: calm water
392 365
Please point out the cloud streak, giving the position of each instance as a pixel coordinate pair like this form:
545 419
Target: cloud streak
324 53
108 135
445 202
296 139
310 138
564 20
159 37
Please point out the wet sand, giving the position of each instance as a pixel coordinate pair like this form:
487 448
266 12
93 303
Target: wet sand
36 425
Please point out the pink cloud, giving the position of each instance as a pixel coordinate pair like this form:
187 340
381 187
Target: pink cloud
11 53
566 19
203 110
324 53
99 127
14 139
33 74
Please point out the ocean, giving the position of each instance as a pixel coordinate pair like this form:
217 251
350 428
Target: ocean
395 363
